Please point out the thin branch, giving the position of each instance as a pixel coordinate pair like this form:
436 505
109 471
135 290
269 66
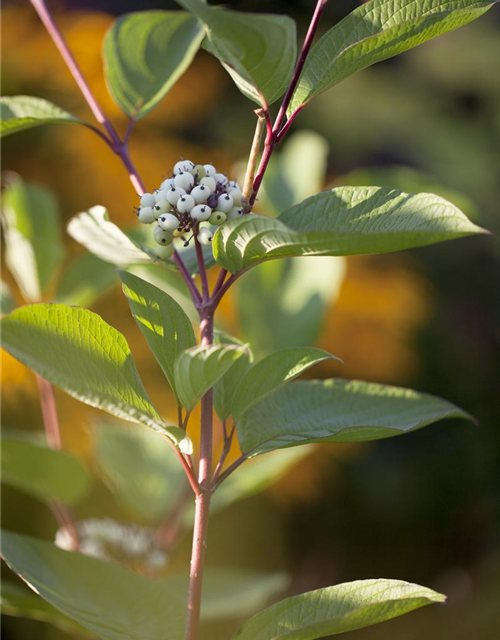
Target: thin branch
239 461
228 440
202 269
262 118
220 281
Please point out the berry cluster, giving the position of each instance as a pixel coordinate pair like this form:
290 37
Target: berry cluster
190 203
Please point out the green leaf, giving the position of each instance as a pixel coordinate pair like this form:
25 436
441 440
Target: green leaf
338 411
140 469
76 350
110 601
44 473
93 229
343 221
273 372
199 368
7 302
34 249
188 255
375 31
145 53
84 280
21 603
164 324
257 50
344 607
226 386
24 112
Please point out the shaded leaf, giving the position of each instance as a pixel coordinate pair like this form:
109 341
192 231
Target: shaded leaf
7 302
338 411
84 280
224 389
24 112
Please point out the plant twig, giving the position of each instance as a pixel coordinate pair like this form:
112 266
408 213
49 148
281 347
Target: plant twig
262 119
239 461
202 269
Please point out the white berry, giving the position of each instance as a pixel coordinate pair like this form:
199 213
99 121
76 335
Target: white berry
220 178
205 236
235 212
164 251
201 212
209 182
161 194
217 218
210 170
185 203
183 165
184 180
236 195
201 194
174 194
168 222
146 215
162 206
147 200
167 184
162 237
225 203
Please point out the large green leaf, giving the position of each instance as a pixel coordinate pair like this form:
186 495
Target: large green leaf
271 373
343 221
164 324
338 609
199 368
24 112
44 473
76 350
375 31
103 238
145 53
228 383
338 411
85 279
33 246
257 50
110 601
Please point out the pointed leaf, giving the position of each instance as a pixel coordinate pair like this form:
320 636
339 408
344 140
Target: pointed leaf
145 53
34 249
44 473
226 386
273 372
24 112
375 31
199 368
76 350
338 609
343 221
164 324
338 411
257 50
110 601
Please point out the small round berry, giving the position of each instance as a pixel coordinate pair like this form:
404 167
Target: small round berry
167 184
209 182
185 203
199 172
221 179
168 222
146 215
162 206
210 170
183 165
147 200
164 251
184 181
201 193
162 237
205 236
161 194
236 195
217 218
174 194
225 203
235 212
201 212
233 184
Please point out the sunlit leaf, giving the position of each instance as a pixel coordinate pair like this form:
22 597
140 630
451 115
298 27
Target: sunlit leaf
338 411
145 53
24 112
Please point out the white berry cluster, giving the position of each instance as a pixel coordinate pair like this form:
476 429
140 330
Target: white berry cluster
191 202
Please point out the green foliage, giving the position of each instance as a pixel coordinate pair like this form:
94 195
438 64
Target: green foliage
343 221
225 388
7 302
145 53
84 279
375 31
257 50
199 368
273 372
76 350
24 112
338 411
44 473
164 324
338 609
33 246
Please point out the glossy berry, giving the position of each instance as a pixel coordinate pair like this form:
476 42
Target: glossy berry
199 172
162 237
221 179
184 181
185 203
205 236
164 251
210 170
161 194
162 207
174 194
217 218
201 212
225 203
235 212
147 200
183 165
167 184
146 215
209 182
168 222
201 193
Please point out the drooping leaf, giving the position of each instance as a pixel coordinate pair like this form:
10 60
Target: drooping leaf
224 389
44 473
77 351
84 280
24 112
338 411
103 238
33 245
140 469
333 610
105 598
271 373
375 31
199 368
164 324
343 221
257 50
145 53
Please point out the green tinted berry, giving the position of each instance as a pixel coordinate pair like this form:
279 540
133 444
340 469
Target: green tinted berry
164 251
199 171
217 218
162 237
146 215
